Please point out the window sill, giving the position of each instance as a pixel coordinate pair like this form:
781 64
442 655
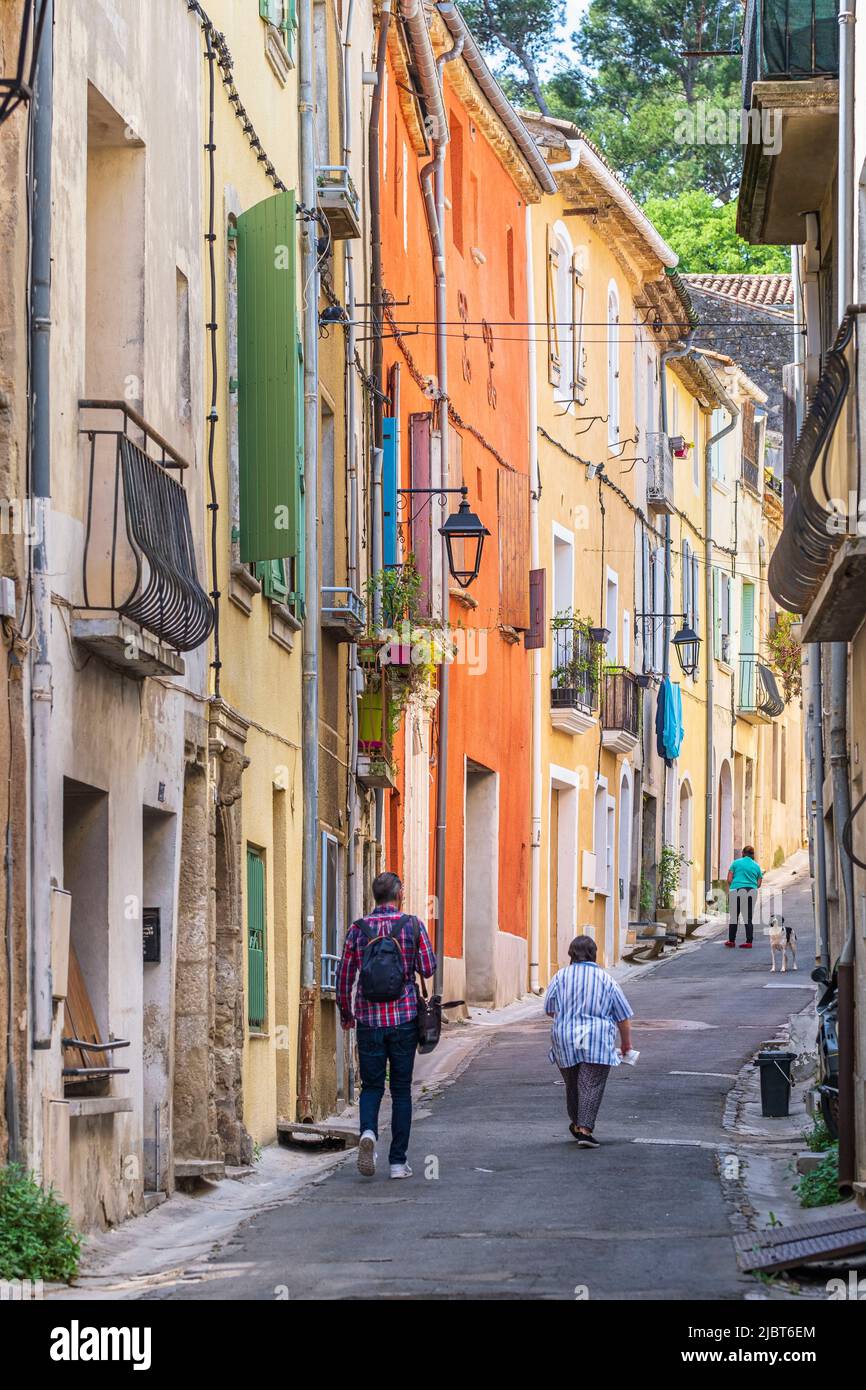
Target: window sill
243 587
721 487
258 1035
278 56
283 626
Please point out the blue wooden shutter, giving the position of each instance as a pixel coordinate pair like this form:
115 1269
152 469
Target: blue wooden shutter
717 614
268 400
256 940
389 491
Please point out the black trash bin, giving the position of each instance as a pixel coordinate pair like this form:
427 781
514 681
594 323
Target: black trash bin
775 1081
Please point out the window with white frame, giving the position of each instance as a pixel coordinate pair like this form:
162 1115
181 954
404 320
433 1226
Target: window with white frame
613 365
565 311
723 607
331 910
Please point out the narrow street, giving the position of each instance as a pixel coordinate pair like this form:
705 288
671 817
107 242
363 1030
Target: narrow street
517 1210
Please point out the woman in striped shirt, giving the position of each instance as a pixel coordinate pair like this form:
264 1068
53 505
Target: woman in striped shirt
587 1007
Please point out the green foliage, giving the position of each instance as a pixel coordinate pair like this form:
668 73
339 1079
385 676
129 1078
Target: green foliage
671 865
646 902
399 589
37 1238
785 654
704 236
818 1138
520 34
820 1188
581 670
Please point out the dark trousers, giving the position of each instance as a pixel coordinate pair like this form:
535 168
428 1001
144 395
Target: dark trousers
392 1049
742 901
584 1088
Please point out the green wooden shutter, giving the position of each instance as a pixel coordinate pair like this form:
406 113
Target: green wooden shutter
272 576
256 940
268 403
297 596
272 11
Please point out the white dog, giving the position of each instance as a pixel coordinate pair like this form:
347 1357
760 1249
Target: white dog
782 939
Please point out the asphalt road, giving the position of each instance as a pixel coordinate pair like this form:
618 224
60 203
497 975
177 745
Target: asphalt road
510 1207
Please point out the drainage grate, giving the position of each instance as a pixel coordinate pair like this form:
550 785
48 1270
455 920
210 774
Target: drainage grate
782 1247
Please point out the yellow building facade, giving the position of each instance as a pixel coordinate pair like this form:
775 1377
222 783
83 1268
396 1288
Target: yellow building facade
603 308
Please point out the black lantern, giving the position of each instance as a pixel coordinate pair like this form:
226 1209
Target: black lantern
600 635
464 538
687 644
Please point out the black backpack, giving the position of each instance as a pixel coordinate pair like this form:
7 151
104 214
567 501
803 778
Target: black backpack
383 970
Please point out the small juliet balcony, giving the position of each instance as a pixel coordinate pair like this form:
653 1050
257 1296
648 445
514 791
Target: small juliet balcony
620 710
660 473
759 698
573 678
339 201
143 604
375 765
343 613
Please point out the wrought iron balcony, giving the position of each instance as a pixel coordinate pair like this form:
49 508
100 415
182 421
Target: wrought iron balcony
789 40
139 562
620 710
660 473
573 677
343 612
759 695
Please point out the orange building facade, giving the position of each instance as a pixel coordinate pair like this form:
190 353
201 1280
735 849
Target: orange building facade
490 175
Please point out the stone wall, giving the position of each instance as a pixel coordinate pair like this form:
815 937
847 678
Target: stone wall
759 341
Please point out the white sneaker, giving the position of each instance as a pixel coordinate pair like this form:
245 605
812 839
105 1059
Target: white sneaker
401 1170
367 1154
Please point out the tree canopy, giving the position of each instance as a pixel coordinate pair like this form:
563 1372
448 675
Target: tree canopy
703 234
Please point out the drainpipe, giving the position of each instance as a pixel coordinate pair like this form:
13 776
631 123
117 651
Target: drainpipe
815 737
310 666
373 165
40 429
353 887
376 302
535 667
714 439
839 650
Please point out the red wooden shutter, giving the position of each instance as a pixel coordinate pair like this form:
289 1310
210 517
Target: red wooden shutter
513 508
536 634
421 508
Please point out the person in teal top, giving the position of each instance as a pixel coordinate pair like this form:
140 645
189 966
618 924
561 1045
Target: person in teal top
744 880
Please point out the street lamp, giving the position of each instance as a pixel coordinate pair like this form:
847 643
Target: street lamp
464 541
463 531
687 644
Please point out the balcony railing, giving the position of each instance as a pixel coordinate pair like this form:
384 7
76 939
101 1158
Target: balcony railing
759 690
343 611
620 705
574 677
660 473
139 555
789 39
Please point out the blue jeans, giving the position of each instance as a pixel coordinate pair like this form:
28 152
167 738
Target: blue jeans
393 1048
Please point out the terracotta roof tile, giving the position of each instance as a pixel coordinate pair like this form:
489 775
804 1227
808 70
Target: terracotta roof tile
762 291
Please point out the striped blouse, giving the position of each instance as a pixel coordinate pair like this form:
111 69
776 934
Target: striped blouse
586 1004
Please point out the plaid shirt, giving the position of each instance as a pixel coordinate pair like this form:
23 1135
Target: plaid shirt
394 1011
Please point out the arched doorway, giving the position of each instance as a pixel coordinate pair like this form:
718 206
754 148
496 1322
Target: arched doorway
725 820
624 853
685 842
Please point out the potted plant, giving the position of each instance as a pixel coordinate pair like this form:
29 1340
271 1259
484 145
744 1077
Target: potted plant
671 864
575 673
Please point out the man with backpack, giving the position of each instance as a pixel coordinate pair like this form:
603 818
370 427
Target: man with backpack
384 950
